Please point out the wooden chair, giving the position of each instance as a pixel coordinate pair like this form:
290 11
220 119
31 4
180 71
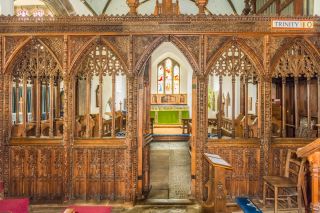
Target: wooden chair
287 188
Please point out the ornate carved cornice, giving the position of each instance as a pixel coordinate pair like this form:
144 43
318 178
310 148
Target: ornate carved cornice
147 24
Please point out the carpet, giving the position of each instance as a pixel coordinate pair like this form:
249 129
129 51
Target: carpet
247 205
91 209
14 205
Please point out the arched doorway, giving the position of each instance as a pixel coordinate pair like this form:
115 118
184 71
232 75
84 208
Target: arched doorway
164 101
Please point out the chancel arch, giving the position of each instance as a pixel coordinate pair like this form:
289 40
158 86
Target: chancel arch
295 74
100 75
180 45
36 92
232 93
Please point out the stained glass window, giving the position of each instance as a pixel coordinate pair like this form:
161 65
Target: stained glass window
168 77
176 79
160 80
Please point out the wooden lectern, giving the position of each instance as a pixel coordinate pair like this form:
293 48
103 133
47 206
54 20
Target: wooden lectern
312 152
216 185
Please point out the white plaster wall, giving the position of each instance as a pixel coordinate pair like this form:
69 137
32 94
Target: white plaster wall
121 91
120 7
6 7
213 84
252 92
316 7
165 50
80 8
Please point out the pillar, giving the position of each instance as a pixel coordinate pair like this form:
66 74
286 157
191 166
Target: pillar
308 106
220 108
113 109
51 115
101 107
296 105
233 106
246 128
24 107
284 108
88 104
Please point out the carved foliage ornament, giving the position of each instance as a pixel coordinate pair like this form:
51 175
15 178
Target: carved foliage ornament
233 61
100 60
295 62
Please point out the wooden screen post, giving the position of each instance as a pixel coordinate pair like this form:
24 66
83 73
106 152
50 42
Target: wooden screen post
17 100
88 105
47 102
220 108
51 115
100 106
57 98
233 130
284 113
246 128
318 80
259 107
24 107
34 100
308 106
296 109
113 107
38 107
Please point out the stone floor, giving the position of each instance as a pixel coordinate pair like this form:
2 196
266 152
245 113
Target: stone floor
169 170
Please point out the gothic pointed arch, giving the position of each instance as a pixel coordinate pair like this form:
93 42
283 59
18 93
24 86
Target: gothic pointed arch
116 61
234 57
177 42
33 59
295 58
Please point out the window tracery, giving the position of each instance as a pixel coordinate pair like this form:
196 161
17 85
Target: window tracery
168 73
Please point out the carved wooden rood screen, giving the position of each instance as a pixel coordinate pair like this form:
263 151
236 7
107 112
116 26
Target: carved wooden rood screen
69 101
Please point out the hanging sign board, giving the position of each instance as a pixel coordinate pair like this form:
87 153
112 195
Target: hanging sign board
291 24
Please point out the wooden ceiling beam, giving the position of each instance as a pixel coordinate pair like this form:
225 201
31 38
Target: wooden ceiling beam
285 4
106 6
89 7
232 7
265 6
144 1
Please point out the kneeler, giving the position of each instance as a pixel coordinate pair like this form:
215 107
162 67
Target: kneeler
247 205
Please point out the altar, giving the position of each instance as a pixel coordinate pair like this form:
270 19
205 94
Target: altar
169 114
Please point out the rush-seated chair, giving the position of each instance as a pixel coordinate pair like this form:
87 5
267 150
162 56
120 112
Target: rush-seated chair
288 188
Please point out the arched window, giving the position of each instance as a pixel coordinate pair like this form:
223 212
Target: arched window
168 77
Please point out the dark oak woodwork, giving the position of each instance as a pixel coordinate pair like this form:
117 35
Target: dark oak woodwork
67 166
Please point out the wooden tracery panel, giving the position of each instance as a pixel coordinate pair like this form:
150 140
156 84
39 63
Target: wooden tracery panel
99 174
296 61
295 73
36 90
36 172
100 70
232 65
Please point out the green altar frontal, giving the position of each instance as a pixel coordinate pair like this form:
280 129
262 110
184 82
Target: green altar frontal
169 114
